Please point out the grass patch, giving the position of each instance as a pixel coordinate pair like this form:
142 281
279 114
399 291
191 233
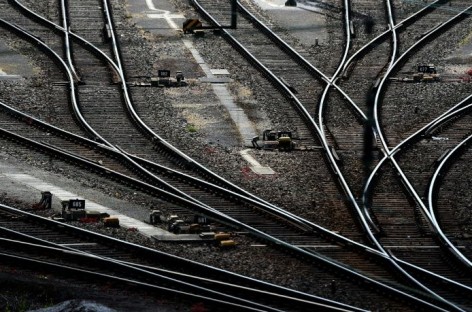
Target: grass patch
191 128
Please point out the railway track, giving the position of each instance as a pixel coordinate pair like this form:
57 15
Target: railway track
390 186
241 214
57 247
305 267
414 225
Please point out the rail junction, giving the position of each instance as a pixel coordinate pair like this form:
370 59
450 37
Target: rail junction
354 196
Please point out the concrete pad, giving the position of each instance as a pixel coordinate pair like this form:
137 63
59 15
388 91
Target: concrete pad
242 122
219 71
178 238
255 166
213 80
62 194
262 170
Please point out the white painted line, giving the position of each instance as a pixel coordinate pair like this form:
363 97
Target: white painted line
61 194
239 117
249 158
165 14
262 170
271 3
255 165
151 6
217 71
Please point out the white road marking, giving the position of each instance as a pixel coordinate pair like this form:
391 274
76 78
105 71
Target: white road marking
238 115
255 165
163 14
272 4
61 194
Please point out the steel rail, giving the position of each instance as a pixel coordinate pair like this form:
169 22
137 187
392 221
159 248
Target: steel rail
398 62
137 118
383 36
392 261
89 129
318 228
309 301
450 282
333 163
365 223
117 153
59 60
156 138
426 130
121 267
284 89
389 153
67 45
436 176
314 256
153 252
390 68
212 214
105 149
318 127
300 59
397 267
101 276
458 109
119 71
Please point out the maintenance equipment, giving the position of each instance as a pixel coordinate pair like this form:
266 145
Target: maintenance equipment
426 73
75 209
111 222
282 140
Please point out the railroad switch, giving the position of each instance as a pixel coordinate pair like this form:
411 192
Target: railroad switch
75 209
179 77
164 79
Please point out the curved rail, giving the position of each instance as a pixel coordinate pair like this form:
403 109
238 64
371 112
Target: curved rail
333 162
389 153
275 290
